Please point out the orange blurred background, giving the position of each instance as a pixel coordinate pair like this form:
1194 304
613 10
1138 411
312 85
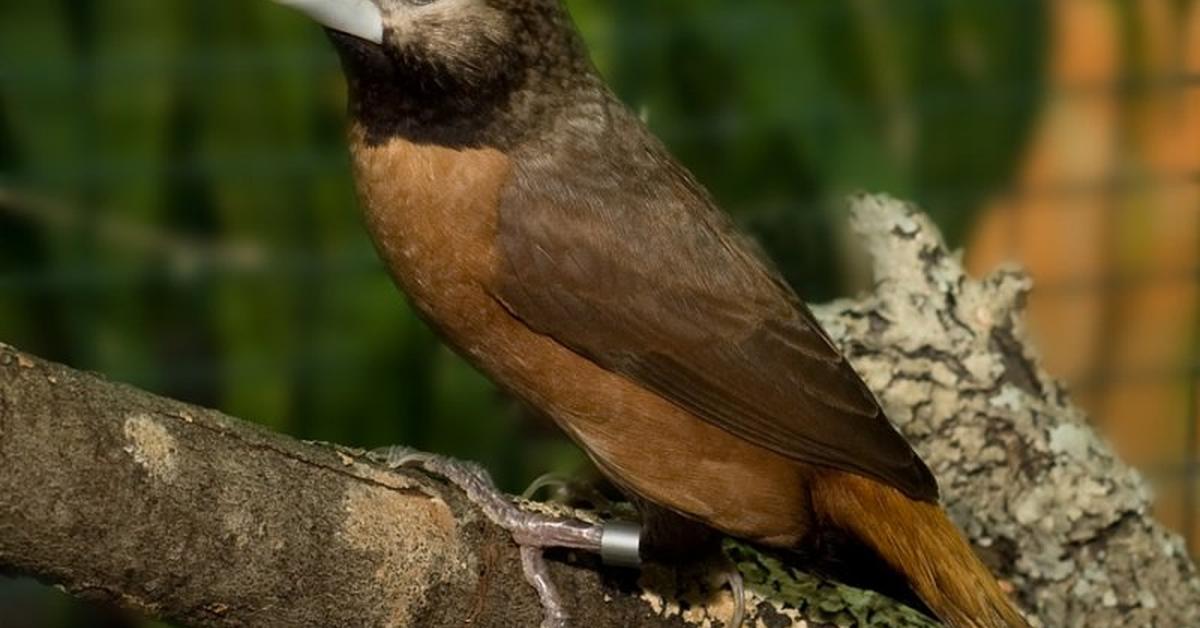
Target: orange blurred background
1105 215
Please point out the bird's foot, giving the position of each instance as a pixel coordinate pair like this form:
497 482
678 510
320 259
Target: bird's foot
533 532
562 489
529 529
558 484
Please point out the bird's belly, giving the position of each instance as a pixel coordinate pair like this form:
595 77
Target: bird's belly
646 443
642 441
432 214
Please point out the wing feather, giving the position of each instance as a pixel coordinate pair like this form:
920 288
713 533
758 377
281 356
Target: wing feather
652 281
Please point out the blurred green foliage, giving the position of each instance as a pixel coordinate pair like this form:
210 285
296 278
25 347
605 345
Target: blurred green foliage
176 209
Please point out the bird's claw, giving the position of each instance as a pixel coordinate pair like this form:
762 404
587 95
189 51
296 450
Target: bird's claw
399 456
737 586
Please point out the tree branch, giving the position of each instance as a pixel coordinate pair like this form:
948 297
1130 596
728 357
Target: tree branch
186 514
182 513
1043 498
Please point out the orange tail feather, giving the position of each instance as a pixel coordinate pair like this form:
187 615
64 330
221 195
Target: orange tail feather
920 542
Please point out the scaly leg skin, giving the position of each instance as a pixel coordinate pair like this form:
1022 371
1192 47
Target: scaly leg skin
533 532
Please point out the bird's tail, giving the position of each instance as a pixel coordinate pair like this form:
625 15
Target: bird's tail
920 542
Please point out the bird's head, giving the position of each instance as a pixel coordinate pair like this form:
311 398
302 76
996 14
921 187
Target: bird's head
425 65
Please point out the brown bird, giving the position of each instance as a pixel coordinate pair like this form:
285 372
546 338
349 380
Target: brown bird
553 241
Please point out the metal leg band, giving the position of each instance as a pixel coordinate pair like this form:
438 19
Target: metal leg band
620 544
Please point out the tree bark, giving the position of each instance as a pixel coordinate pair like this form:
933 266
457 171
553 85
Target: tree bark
188 515
185 514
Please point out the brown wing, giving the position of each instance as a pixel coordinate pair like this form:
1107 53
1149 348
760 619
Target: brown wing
631 265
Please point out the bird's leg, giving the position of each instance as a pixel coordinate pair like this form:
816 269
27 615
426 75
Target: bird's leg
533 532
529 529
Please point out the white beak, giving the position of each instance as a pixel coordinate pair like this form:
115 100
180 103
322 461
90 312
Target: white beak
360 18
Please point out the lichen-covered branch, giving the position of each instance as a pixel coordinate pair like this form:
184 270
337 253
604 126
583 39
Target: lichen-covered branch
208 521
1042 496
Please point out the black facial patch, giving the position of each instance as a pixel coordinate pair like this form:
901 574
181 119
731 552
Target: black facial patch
467 78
